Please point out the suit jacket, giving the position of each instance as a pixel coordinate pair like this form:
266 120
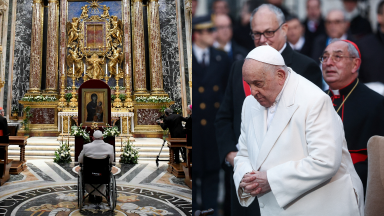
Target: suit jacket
173 122
372 55
304 153
4 127
97 149
360 27
208 92
310 36
306 49
237 52
319 45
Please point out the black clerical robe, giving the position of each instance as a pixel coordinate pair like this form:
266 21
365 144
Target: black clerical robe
363 117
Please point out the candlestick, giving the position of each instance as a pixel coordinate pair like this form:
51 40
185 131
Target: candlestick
117 68
73 69
106 69
117 102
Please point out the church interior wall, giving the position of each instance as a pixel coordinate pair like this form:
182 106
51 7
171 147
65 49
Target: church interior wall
18 46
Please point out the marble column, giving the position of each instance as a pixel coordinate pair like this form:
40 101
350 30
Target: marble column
36 46
127 44
188 32
139 77
52 47
155 63
63 39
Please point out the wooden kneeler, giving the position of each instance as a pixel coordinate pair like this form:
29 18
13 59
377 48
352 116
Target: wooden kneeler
5 163
174 165
187 167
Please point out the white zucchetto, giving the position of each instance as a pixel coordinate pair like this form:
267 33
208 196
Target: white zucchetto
97 134
266 54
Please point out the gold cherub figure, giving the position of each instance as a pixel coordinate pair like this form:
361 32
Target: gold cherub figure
72 30
106 11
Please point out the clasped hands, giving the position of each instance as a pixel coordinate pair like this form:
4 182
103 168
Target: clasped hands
255 183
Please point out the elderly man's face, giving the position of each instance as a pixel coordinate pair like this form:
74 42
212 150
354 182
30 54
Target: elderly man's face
335 24
265 85
265 20
338 72
2 113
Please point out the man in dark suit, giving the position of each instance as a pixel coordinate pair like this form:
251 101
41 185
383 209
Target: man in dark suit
224 40
268 27
210 69
336 26
173 122
314 23
295 36
359 26
372 52
4 134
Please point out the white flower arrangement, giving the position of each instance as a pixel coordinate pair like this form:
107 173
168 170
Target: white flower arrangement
63 153
152 99
78 131
110 131
39 98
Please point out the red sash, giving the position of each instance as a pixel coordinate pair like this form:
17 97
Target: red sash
358 155
1 133
247 88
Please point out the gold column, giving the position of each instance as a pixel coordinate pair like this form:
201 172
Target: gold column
155 63
52 47
124 124
139 77
36 47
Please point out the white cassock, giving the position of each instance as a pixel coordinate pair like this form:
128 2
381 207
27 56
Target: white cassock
97 149
304 153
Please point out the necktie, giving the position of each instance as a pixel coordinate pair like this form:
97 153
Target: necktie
203 64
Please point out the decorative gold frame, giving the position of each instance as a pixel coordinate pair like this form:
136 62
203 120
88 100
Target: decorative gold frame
143 129
34 105
105 107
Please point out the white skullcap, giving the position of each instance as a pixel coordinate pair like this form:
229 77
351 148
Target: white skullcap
97 134
266 54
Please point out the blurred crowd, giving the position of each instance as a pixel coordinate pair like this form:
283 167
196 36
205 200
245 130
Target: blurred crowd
223 40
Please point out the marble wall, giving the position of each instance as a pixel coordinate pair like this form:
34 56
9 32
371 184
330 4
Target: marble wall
170 50
5 102
22 52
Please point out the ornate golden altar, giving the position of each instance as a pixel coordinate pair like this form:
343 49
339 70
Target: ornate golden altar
97 44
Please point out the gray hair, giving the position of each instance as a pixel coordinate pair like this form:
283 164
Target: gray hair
342 11
168 111
274 68
277 11
352 51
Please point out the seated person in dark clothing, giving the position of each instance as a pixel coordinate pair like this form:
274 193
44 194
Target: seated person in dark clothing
188 126
4 134
173 122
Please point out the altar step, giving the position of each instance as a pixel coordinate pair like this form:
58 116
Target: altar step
44 148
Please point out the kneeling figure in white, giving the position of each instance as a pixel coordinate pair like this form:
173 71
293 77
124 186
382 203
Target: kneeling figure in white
292 151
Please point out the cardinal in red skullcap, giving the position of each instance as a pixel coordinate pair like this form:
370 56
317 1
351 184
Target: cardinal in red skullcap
360 108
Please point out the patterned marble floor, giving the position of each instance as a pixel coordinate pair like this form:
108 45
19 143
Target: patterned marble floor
49 189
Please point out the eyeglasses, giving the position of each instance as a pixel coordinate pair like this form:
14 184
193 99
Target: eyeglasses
267 34
335 58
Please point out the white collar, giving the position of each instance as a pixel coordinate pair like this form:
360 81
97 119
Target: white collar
282 49
299 45
282 90
199 52
335 92
227 47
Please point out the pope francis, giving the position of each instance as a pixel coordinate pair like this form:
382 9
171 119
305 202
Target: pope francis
292 152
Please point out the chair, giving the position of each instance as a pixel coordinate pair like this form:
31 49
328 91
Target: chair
96 172
5 163
375 184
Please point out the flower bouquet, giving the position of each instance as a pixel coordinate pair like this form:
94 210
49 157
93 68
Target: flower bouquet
78 131
63 154
130 154
110 131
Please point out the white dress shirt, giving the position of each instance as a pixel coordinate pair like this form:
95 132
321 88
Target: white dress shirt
272 109
199 54
299 45
227 47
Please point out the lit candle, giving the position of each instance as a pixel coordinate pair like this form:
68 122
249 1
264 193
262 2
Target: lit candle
106 70
85 69
73 69
117 68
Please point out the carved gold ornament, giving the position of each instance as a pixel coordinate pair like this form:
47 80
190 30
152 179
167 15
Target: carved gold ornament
94 126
